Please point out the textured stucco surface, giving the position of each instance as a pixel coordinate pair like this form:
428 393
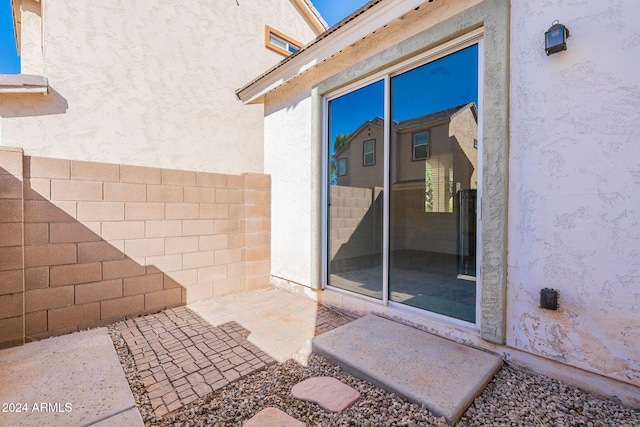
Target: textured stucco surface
564 181
287 160
574 177
147 83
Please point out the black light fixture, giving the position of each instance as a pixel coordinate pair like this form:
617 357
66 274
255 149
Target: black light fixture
555 39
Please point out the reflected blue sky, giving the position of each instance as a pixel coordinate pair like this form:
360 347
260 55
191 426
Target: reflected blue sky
447 82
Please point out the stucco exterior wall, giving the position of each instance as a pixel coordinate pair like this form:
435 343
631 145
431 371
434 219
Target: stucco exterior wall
574 120
147 83
288 160
572 172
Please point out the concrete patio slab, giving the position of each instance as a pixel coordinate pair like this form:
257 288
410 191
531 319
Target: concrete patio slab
426 369
74 380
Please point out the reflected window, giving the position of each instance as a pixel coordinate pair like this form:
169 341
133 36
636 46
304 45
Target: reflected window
420 145
342 167
369 153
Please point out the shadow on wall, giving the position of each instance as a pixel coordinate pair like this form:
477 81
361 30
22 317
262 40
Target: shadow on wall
104 242
33 105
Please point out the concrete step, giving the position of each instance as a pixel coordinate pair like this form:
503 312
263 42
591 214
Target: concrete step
423 368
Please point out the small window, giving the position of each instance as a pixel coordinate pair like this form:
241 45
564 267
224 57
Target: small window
342 167
369 153
421 145
279 42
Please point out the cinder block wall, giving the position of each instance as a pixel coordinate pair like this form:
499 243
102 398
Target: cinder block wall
11 248
107 241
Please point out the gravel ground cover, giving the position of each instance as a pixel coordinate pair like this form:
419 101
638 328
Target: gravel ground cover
513 398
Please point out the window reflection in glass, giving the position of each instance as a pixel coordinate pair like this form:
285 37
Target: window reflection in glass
434 180
356 134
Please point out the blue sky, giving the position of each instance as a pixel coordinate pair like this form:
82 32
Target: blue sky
445 83
331 10
9 60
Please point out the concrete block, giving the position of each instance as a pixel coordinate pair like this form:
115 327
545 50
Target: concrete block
53 254
45 211
163 299
98 291
94 171
43 167
74 190
100 211
143 210
228 256
182 210
100 251
178 177
144 247
121 268
143 284
225 226
37 189
235 181
11 333
125 306
75 315
11 258
11 305
122 230
140 174
206 179
11 281
10 234
48 298
213 211
200 195
10 210
165 193
197 259
197 227
164 228
36 278
61 275
212 242
36 233
180 245
229 195
74 232
125 192
11 161
10 187
165 263
35 323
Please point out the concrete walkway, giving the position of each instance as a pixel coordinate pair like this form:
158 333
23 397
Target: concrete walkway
72 380
426 369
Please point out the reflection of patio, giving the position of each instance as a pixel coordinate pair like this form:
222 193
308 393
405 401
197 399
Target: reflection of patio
420 279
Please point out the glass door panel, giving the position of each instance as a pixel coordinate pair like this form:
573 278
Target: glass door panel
434 181
356 181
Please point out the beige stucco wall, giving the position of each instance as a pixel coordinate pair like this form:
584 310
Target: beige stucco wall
148 82
573 171
574 175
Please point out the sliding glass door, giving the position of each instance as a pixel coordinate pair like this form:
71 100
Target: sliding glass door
404 180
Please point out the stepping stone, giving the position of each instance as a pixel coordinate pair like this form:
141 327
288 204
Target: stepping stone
272 417
331 394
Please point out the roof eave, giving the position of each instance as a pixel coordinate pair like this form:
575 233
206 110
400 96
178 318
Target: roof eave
340 36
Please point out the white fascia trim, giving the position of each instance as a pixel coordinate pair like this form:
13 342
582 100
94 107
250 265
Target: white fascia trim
375 18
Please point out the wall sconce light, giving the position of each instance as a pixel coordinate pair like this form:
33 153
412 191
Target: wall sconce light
555 39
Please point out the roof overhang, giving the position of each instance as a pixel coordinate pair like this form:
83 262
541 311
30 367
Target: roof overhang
17 17
311 15
371 17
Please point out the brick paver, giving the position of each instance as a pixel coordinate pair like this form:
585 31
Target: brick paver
181 356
